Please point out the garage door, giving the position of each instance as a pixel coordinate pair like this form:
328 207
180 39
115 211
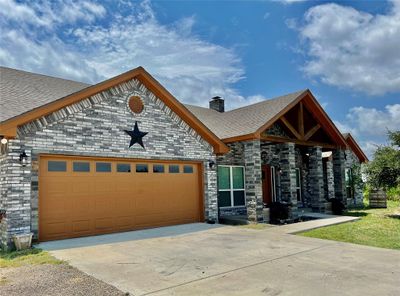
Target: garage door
86 196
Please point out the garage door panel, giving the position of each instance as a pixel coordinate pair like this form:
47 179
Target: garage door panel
73 204
81 226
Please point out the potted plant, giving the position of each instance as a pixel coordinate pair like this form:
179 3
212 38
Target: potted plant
22 241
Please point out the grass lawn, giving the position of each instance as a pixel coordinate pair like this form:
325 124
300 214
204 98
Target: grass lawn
25 257
375 228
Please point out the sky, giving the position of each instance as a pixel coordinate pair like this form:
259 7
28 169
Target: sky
346 52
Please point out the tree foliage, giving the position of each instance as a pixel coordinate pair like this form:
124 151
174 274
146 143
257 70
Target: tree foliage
384 169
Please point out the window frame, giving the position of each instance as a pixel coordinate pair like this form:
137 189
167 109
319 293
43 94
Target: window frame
231 189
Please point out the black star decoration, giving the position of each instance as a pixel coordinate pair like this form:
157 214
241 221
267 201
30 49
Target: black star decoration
136 136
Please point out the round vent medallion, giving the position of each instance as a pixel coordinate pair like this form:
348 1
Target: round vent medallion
136 104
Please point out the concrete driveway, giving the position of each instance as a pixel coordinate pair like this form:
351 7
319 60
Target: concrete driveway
201 259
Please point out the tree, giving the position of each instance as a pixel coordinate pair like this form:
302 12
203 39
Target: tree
384 169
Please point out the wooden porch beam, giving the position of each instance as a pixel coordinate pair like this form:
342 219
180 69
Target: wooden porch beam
291 128
298 142
301 120
311 132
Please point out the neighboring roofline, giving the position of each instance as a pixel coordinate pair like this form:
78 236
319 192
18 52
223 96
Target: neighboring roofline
353 145
341 142
8 128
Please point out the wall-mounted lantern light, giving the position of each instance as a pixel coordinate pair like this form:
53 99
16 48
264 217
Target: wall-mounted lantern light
211 164
3 141
23 158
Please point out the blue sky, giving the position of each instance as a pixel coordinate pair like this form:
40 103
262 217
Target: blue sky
346 52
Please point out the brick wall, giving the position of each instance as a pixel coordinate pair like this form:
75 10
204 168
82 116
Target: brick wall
95 127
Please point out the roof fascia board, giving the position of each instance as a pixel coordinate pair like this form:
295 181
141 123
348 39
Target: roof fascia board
353 145
8 128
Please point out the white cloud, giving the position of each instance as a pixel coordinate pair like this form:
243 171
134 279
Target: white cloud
373 122
353 49
367 123
48 14
81 48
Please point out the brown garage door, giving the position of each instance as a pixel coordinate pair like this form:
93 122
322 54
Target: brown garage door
87 196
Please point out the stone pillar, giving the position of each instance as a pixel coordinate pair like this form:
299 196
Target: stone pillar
287 164
330 179
339 164
253 180
316 179
210 189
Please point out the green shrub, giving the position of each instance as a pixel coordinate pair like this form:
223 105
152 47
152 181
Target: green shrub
393 193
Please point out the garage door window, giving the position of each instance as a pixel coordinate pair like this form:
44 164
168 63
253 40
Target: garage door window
188 169
57 166
174 169
158 168
231 186
103 167
123 168
142 168
81 167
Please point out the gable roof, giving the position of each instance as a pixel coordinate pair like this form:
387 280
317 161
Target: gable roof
37 105
250 121
245 120
353 145
22 91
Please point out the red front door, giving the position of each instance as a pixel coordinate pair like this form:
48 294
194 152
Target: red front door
266 184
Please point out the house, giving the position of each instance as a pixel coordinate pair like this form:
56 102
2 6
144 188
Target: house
124 154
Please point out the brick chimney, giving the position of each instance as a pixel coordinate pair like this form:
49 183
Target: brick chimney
217 104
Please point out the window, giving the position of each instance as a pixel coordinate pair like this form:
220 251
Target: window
158 168
187 169
173 168
103 167
56 166
81 167
231 186
349 183
298 184
123 168
142 168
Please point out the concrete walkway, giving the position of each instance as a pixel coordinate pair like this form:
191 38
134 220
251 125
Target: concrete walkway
313 224
215 260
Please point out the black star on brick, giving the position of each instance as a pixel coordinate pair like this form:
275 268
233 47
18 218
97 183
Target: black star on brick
136 136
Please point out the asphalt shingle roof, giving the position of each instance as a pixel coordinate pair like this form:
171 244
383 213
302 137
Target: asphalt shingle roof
22 91
244 120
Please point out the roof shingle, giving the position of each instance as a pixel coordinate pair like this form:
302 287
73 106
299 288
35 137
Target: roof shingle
22 91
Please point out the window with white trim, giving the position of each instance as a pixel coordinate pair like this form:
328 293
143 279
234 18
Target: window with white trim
231 186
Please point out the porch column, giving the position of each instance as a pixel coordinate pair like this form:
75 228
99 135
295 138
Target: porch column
316 179
339 164
287 164
253 180
330 179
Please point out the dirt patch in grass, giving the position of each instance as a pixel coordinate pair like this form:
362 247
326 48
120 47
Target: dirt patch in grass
375 228
50 279
26 257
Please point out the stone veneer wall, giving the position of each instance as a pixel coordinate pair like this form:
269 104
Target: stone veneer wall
95 127
253 180
316 179
338 162
288 176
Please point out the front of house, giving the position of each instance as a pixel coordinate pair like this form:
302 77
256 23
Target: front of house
79 160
